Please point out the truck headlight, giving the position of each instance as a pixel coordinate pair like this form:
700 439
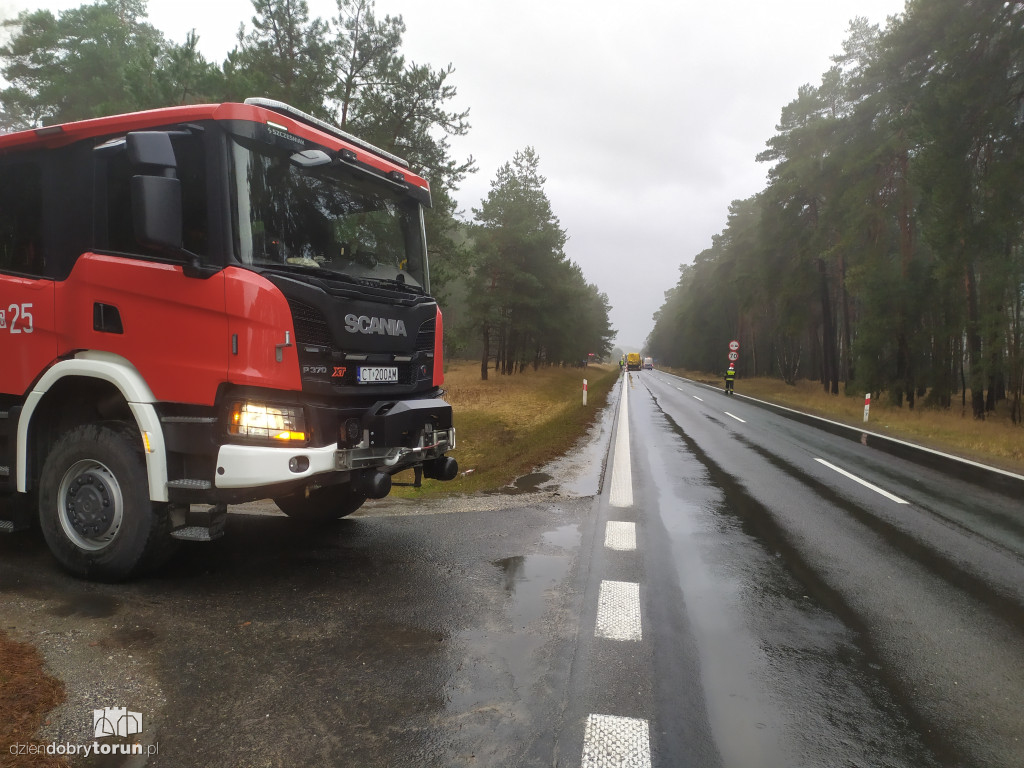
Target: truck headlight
279 423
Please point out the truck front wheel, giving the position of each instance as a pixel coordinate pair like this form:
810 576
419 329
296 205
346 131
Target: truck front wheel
94 505
321 505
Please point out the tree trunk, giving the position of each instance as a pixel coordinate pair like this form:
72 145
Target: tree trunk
486 354
830 368
974 344
847 356
753 348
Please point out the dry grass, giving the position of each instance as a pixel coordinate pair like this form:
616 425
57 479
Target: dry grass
995 441
509 425
27 693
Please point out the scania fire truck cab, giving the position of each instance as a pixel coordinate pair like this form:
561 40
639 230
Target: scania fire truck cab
203 306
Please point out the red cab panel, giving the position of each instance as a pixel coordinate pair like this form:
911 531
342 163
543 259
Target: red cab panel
28 339
172 328
260 325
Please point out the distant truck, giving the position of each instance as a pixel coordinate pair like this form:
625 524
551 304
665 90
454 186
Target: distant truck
633 361
648 363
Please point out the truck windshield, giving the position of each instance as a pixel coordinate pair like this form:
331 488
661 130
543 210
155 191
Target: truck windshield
324 218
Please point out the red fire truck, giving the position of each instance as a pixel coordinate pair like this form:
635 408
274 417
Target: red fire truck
203 306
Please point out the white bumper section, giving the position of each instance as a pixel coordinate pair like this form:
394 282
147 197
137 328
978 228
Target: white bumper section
250 466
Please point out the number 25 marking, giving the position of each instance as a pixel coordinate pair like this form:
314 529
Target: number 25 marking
25 312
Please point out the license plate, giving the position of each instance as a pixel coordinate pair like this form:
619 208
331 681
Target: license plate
377 375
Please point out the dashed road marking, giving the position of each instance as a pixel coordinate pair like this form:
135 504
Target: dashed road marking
865 483
622 475
741 421
620 536
623 742
618 611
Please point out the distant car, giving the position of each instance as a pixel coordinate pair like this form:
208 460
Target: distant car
648 363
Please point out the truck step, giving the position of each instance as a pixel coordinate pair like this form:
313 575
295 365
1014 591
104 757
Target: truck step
16 512
15 520
195 533
192 485
204 524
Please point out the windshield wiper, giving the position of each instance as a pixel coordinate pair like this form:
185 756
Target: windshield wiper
401 285
326 274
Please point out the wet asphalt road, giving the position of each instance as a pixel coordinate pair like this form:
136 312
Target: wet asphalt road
834 625
770 611
393 640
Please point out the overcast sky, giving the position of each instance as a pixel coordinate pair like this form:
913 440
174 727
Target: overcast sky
646 115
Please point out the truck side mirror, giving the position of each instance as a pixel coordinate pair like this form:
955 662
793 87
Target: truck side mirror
152 148
156 212
156 193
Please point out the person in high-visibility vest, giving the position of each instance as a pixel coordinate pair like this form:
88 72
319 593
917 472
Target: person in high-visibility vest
730 378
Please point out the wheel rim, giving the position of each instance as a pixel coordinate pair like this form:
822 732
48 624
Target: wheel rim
91 505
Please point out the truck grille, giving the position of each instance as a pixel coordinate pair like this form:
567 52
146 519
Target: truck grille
311 328
425 336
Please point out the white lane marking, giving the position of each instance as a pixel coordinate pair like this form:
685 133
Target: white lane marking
622 475
695 397
741 421
618 611
623 742
620 536
865 483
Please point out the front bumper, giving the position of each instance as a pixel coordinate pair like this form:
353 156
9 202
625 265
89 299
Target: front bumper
393 435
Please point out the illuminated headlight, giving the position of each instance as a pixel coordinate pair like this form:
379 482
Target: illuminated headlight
280 423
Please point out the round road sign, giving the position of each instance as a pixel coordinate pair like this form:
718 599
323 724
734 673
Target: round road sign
734 356
734 345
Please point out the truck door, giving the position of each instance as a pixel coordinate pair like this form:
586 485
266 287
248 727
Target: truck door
28 341
153 306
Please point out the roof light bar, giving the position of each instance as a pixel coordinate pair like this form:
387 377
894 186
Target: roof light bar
298 114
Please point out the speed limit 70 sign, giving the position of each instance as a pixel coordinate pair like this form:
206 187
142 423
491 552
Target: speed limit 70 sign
734 356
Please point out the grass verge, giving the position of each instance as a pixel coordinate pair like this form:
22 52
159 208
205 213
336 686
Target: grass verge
996 441
508 426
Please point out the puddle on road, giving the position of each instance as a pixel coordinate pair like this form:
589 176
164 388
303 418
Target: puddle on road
503 660
527 580
528 484
566 537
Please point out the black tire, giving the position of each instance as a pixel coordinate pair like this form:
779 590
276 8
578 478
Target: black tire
321 505
94 505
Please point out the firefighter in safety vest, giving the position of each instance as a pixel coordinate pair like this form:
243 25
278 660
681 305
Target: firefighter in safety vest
730 378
